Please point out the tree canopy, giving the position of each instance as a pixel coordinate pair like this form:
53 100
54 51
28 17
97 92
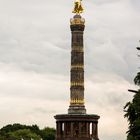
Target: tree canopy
132 114
26 132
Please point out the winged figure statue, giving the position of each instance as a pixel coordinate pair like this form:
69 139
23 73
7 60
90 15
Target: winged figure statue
78 9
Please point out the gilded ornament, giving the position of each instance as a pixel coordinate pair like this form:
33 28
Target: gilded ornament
78 9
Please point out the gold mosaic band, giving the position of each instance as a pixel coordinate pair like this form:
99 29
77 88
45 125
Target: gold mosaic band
77 66
77 101
77 49
77 84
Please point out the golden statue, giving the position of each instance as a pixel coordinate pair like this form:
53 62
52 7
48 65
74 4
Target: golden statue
78 9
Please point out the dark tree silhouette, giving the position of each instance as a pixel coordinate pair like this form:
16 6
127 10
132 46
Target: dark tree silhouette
137 79
132 112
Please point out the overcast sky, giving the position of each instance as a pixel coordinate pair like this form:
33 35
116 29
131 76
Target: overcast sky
35 41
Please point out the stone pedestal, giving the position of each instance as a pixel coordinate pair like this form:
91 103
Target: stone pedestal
77 127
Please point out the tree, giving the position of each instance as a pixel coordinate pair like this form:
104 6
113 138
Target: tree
26 134
48 133
137 79
18 131
132 114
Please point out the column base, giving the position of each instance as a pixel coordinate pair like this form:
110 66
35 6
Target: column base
76 110
77 127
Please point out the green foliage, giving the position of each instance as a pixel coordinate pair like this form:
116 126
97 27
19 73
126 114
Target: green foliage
132 114
137 79
48 133
18 131
26 134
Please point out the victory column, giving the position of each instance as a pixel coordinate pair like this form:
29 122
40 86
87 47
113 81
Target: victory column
77 125
77 61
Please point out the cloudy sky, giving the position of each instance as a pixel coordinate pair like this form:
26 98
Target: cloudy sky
35 61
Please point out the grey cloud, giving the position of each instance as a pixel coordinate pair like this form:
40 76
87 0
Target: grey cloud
105 1
35 59
114 38
44 111
30 84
